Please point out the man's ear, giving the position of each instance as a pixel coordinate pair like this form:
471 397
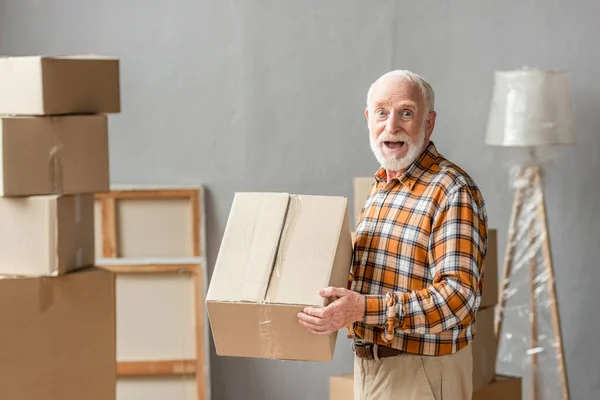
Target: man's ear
430 124
367 113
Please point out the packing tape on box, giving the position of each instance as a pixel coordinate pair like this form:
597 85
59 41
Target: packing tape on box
290 220
77 208
269 345
79 252
55 165
52 235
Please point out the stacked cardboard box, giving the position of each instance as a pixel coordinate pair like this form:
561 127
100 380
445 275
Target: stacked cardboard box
57 310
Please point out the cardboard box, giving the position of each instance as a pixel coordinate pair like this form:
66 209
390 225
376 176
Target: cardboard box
341 387
484 349
58 337
501 388
490 280
39 85
277 251
54 155
46 235
362 188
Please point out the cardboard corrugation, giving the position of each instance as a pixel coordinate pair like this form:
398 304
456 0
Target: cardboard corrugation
277 251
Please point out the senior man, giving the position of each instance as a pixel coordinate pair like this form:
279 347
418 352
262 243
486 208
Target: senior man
417 273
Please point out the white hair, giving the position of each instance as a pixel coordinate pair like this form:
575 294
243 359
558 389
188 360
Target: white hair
414 79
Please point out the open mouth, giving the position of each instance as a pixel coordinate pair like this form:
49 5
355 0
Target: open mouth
393 145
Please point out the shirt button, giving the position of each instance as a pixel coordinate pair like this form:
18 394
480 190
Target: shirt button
382 195
372 229
363 263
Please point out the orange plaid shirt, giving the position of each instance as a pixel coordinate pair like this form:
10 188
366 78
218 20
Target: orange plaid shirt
419 249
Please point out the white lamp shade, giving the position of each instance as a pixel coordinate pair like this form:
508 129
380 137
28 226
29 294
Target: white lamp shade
531 107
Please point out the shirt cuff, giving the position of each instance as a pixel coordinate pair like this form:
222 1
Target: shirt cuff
375 310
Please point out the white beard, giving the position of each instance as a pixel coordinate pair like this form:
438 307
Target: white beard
394 163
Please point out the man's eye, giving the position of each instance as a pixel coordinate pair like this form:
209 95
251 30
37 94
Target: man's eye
381 113
407 113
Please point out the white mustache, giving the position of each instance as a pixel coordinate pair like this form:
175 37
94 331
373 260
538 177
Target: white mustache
398 137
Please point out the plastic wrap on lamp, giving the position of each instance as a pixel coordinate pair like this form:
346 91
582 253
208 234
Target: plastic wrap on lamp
529 344
531 107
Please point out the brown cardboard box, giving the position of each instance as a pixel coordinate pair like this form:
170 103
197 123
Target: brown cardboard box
46 235
362 187
484 349
277 251
58 337
490 280
341 387
501 388
54 155
38 85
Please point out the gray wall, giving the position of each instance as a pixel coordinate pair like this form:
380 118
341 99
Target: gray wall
269 96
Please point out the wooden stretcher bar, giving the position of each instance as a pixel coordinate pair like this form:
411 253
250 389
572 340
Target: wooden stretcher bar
194 266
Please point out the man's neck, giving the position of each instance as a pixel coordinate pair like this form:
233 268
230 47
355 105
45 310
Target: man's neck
394 174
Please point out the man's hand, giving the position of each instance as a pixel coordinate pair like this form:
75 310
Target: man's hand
348 307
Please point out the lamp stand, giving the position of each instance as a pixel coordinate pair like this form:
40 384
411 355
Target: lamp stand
535 221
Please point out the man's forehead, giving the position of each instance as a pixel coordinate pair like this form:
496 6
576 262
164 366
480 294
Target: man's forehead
393 90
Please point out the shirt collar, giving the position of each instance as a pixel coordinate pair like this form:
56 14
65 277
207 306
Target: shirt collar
427 158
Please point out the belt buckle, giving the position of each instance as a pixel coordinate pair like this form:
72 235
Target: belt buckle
371 350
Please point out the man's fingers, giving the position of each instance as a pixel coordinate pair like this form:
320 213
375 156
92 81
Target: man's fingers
333 292
321 333
313 327
312 320
320 312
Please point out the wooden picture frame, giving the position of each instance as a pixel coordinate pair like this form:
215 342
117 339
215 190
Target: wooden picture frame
194 267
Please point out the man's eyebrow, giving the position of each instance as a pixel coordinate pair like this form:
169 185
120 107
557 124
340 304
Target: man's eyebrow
403 104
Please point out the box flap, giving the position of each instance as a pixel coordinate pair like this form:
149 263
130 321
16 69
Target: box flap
248 248
307 249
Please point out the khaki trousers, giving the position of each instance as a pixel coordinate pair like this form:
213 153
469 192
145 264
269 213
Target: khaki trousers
412 377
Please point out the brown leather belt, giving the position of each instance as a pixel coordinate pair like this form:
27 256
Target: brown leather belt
373 351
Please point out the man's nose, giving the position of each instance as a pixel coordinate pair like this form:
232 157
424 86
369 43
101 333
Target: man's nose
393 125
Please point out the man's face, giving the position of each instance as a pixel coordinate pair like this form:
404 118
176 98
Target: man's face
399 123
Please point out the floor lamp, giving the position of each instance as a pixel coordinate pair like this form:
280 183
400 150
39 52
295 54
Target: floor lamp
531 109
